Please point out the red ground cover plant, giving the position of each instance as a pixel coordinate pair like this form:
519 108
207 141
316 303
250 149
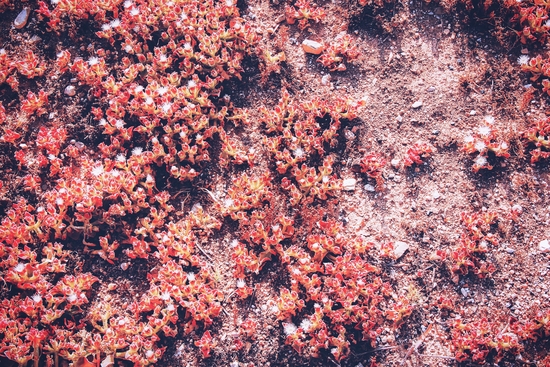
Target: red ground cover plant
152 81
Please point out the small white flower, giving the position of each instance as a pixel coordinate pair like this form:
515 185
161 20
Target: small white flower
134 12
523 60
547 23
119 124
162 91
234 243
149 100
484 130
469 139
138 89
59 201
228 202
190 276
489 119
93 61
102 122
97 171
72 298
191 83
165 296
166 107
115 173
137 151
480 146
36 298
128 48
115 23
106 27
19 267
121 158
305 325
149 179
480 160
128 4
163 58
241 283
289 328
298 152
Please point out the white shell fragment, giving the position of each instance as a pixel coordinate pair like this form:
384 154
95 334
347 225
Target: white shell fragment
22 18
544 246
349 184
399 248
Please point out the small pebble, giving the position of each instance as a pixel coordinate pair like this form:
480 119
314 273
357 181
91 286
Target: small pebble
370 188
417 104
325 80
70 90
395 163
544 246
399 119
431 89
349 184
435 132
473 112
399 249
465 291
21 19
349 134
312 47
509 250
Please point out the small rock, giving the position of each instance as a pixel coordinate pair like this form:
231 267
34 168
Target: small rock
465 291
435 132
436 195
70 90
312 47
509 250
399 249
544 246
349 184
399 119
473 112
21 19
370 188
349 134
325 80
431 89
395 163
417 104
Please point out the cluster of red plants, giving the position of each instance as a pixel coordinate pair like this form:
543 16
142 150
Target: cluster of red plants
482 340
339 52
303 11
537 140
487 143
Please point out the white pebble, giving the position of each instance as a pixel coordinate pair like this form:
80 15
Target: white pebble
70 90
349 184
399 249
417 104
369 187
21 19
544 246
